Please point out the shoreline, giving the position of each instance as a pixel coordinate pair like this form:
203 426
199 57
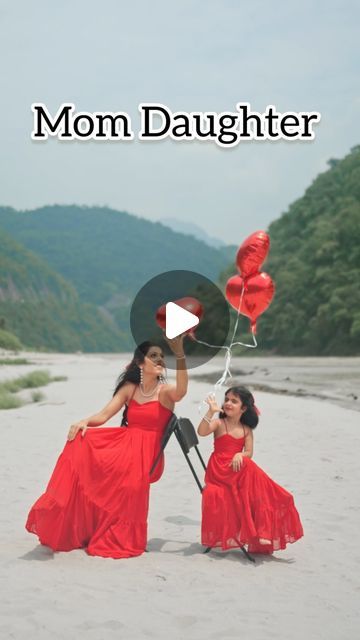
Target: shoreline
332 379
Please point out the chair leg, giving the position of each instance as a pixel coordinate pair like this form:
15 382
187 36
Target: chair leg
200 457
245 552
179 439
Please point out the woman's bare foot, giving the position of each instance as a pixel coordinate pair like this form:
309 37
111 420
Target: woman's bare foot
264 541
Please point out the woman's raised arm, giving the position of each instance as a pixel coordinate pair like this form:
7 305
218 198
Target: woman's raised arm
178 391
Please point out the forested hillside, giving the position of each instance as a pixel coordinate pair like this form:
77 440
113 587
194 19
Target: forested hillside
108 255
43 310
315 263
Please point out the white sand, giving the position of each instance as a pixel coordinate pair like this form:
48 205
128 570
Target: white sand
310 590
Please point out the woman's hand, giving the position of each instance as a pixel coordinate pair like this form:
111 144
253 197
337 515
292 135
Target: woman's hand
176 344
213 405
76 427
236 462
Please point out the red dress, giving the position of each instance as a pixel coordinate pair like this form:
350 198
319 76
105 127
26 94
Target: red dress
240 507
98 494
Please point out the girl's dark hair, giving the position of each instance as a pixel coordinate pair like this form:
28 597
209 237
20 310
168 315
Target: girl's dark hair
132 371
250 416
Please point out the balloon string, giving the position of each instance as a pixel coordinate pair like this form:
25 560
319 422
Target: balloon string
238 314
227 371
243 344
213 346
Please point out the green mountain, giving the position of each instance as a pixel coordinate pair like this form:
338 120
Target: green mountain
108 255
315 262
43 310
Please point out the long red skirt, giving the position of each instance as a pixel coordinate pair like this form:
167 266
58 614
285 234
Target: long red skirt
241 507
98 495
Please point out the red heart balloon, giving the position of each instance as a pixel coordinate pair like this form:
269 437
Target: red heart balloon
252 253
190 304
255 293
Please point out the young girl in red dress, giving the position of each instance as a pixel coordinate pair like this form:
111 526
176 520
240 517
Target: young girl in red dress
241 505
98 494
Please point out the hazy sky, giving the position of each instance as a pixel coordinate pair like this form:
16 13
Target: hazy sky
200 55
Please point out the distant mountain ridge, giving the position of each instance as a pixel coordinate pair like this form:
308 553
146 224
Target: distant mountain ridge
100 256
192 229
104 252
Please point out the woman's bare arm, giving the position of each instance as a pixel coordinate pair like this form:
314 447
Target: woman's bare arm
110 409
176 392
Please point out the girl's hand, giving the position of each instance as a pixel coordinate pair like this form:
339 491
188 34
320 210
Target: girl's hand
75 428
236 462
213 405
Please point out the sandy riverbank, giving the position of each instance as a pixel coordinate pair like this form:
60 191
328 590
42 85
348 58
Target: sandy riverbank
308 445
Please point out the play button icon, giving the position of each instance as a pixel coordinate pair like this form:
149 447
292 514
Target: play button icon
176 302
178 320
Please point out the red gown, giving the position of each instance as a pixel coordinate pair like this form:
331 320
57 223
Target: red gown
98 494
240 507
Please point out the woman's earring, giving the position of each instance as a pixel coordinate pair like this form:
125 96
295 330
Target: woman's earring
141 376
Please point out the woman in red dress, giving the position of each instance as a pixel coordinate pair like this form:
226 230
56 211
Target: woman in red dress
241 504
98 494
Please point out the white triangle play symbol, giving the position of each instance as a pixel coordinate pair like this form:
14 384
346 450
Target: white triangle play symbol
178 320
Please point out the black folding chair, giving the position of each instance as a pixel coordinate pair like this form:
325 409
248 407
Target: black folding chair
185 433
186 437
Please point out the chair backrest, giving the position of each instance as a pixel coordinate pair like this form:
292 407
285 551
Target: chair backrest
187 433
169 430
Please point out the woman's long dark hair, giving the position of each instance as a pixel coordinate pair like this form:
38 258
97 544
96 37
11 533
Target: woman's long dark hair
132 371
250 416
